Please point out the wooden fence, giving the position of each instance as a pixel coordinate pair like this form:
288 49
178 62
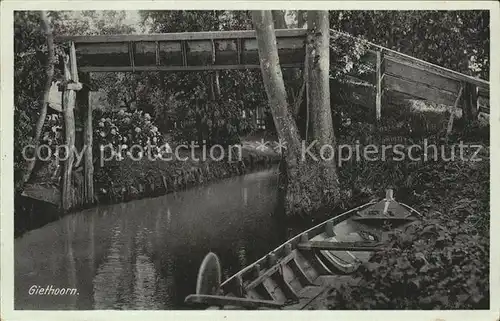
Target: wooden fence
397 72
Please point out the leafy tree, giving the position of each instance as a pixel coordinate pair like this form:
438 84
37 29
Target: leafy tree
30 58
455 39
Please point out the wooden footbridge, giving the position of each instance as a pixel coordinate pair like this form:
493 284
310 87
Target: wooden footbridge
223 50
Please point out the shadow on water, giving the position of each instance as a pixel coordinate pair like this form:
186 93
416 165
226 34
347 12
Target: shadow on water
145 254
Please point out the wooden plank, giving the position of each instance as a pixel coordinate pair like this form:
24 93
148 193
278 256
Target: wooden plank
267 273
287 287
273 289
72 60
194 52
84 104
184 52
448 73
419 90
239 49
301 271
223 45
290 278
383 218
178 36
42 192
102 48
438 70
234 301
157 53
483 92
329 229
69 101
77 86
176 68
341 246
406 71
449 126
378 83
470 106
131 55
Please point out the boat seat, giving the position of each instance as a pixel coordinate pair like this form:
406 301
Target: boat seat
343 260
333 281
392 208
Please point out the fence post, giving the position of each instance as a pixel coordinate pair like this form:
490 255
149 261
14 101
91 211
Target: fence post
84 105
69 101
378 84
470 106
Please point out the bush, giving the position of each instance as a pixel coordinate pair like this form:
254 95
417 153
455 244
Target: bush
441 262
431 266
122 130
215 122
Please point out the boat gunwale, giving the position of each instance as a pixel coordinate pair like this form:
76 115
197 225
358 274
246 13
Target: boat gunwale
280 247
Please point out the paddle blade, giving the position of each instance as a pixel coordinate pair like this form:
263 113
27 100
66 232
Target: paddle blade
209 275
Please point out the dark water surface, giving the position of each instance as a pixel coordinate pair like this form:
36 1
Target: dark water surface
145 254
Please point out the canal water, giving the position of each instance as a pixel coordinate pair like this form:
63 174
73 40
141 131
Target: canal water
145 254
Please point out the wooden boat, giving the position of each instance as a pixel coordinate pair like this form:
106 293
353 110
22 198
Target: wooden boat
299 272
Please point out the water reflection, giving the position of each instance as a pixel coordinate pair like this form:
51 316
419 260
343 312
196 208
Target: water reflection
145 254
70 228
106 280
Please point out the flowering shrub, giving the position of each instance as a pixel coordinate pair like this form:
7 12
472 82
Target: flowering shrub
122 130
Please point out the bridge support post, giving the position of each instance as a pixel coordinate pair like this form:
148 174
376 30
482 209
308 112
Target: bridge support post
470 105
84 104
69 101
378 86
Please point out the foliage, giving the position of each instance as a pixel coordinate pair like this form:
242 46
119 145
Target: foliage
440 262
431 265
30 55
346 57
211 122
52 131
122 130
29 77
458 40
192 103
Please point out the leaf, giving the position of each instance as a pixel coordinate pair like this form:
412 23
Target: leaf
416 283
424 269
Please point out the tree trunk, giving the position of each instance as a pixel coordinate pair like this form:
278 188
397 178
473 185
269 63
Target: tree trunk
273 82
303 183
279 19
49 72
318 67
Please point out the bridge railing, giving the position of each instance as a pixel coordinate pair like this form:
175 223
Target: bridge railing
395 71
218 50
